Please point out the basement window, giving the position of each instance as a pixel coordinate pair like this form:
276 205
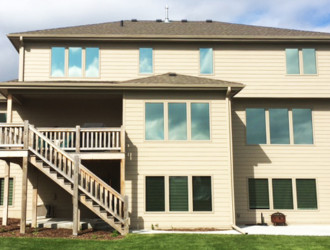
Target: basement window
2 188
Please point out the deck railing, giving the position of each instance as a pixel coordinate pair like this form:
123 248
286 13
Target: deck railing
69 139
11 135
85 139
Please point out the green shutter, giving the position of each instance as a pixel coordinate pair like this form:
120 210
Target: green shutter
11 189
282 194
202 195
155 194
258 194
306 193
178 193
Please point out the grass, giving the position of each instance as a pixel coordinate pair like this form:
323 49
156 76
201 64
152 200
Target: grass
173 241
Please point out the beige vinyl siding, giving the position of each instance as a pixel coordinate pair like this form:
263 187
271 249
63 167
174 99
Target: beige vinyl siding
184 158
283 161
261 67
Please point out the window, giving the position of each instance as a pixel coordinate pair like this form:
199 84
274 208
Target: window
202 195
178 193
200 121
306 194
255 126
146 61
175 116
155 194
177 121
74 61
2 189
258 194
3 117
302 126
206 60
92 62
181 190
296 57
58 62
154 121
279 129
282 194
279 126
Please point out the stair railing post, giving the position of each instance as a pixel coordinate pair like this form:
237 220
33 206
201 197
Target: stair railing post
78 139
126 226
75 226
26 135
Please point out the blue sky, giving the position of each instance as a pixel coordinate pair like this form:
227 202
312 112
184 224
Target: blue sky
28 15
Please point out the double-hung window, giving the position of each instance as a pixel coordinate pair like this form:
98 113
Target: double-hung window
301 61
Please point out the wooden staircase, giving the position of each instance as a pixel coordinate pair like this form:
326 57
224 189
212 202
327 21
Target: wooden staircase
60 167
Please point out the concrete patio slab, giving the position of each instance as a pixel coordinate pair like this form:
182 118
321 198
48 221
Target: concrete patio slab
293 230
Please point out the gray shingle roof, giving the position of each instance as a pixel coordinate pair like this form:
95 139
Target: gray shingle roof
180 29
174 79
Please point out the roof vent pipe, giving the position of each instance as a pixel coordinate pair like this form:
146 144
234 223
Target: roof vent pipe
167 20
121 23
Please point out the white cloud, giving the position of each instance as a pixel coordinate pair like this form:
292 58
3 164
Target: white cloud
42 14
74 71
93 69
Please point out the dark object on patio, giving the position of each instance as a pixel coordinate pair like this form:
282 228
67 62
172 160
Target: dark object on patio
278 219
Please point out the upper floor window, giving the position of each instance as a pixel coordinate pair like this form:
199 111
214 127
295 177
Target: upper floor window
74 61
174 115
206 60
146 61
278 123
305 57
58 62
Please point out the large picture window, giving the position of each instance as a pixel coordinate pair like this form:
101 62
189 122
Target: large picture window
175 116
280 126
155 194
258 194
74 62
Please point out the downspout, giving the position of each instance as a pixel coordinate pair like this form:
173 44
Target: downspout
21 60
231 158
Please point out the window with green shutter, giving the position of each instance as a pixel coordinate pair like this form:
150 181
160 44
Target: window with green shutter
202 195
178 193
258 194
282 194
11 188
155 194
306 193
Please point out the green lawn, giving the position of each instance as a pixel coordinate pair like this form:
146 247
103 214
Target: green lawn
173 241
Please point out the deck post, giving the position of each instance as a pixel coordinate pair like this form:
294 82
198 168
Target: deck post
75 226
6 194
24 195
78 139
9 108
34 198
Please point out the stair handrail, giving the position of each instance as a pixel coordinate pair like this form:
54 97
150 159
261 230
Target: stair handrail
81 168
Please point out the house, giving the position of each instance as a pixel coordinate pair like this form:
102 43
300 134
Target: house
180 124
